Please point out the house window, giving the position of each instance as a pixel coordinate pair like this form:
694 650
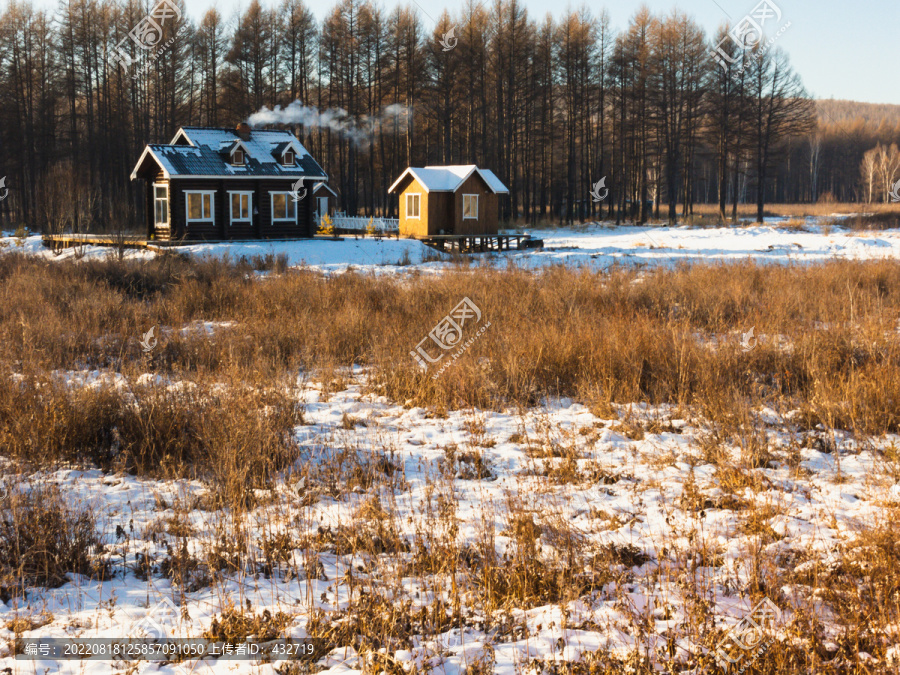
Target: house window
470 207
160 205
199 206
289 158
238 157
284 208
412 205
241 203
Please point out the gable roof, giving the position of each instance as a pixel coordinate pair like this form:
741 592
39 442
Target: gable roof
280 148
323 185
227 148
202 152
449 178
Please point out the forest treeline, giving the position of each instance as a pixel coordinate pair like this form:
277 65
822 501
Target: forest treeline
551 105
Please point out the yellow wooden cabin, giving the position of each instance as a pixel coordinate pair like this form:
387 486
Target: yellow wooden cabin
448 200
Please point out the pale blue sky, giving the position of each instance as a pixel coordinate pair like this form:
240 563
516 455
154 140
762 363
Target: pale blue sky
845 50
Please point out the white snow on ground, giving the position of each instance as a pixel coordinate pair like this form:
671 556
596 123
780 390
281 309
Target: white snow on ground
600 247
373 255
633 498
596 246
323 254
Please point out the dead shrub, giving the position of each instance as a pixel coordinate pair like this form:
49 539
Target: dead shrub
523 577
44 538
369 537
886 220
184 569
235 625
374 620
862 588
236 437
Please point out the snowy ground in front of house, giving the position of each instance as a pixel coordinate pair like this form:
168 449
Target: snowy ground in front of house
595 246
634 498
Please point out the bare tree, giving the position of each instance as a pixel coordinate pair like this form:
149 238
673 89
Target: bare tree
868 172
678 44
815 153
887 166
779 109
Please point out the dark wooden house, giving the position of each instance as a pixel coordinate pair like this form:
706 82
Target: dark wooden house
238 183
448 200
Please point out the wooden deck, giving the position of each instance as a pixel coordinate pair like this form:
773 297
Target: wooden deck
478 243
61 241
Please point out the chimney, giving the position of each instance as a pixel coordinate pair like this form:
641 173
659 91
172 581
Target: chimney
243 130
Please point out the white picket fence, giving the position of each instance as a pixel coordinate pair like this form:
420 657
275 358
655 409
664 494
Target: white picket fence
362 223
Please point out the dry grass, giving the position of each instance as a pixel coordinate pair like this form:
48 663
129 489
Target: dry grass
43 539
235 625
826 345
885 219
224 410
233 436
823 208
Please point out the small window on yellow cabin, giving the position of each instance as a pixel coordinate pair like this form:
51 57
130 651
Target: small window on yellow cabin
412 205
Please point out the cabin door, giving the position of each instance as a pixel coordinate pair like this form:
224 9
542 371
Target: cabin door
322 208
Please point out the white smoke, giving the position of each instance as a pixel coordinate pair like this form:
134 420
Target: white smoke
359 131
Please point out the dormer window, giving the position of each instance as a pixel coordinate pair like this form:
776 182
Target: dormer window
289 158
237 157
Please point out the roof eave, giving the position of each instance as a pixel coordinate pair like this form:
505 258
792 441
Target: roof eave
149 150
254 176
504 191
409 170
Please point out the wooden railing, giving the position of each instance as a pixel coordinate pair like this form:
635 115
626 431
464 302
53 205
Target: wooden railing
361 223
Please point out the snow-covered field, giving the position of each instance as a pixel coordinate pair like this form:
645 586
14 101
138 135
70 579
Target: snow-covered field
653 493
595 246
678 525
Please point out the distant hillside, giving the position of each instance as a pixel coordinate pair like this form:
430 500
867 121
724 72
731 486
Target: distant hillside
873 114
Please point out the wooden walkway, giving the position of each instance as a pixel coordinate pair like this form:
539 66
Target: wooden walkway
479 243
61 241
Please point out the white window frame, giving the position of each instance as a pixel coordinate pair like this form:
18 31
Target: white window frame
234 157
288 197
168 221
249 218
418 196
293 155
465 217
212 206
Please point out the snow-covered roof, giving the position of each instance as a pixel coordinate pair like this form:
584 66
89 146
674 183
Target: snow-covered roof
203 152
261 145
449 178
